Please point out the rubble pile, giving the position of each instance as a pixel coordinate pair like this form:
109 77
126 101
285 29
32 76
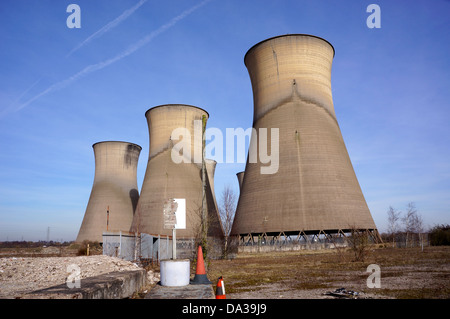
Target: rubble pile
21 275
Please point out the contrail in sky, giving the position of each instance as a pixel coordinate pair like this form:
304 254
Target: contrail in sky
97 34
109 26
98 66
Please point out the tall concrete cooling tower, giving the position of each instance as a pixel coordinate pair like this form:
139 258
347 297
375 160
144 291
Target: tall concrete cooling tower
240 177
210 165
165 178
315 189
115 187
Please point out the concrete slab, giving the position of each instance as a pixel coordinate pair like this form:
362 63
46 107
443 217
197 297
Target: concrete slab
114 285
183 292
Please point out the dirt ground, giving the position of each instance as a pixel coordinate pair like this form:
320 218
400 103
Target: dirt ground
307 274
404 273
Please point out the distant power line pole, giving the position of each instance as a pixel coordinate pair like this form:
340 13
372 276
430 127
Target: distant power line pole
48 234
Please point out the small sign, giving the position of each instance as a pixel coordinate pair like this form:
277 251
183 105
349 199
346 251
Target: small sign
174 212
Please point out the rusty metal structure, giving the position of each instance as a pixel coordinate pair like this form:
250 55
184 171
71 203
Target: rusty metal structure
315 192
114 193
165 178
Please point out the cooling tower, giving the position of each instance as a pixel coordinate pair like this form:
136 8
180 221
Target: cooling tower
165 178
210 170
315 188
240 177
115 186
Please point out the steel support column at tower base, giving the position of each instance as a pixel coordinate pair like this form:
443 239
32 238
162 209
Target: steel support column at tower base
308 237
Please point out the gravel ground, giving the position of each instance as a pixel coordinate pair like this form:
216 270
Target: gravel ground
21 275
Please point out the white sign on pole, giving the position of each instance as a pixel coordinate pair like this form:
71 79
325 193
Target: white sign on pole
174 212
180 213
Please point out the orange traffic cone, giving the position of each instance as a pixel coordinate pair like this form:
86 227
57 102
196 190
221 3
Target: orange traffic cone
200 273
220 289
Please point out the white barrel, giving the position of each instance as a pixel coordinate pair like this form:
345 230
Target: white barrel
175 273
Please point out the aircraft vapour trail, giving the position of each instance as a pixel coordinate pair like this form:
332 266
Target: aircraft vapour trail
95 35
108 26
100 65
11 105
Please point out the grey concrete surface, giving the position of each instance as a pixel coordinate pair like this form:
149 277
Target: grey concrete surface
114 285
184 292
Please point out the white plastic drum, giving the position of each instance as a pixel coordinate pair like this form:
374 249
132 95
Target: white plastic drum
175 273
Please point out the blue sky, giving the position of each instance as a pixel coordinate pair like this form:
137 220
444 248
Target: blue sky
63 89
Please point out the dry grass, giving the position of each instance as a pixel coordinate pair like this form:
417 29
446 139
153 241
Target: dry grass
405 273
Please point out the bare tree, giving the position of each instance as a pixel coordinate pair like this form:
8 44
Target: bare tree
418 227
227 210
199 228
393 217
359 243
408 220
412 221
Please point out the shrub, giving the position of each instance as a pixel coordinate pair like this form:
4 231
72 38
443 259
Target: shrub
359 243
94 248
440 235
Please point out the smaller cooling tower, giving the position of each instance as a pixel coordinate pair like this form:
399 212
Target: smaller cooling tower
211 169
165 178
115 187
240 177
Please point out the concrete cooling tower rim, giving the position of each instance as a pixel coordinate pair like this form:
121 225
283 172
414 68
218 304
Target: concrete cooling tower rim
165 105
140 148
289 35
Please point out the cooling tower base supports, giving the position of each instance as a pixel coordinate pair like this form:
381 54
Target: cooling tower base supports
312 239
